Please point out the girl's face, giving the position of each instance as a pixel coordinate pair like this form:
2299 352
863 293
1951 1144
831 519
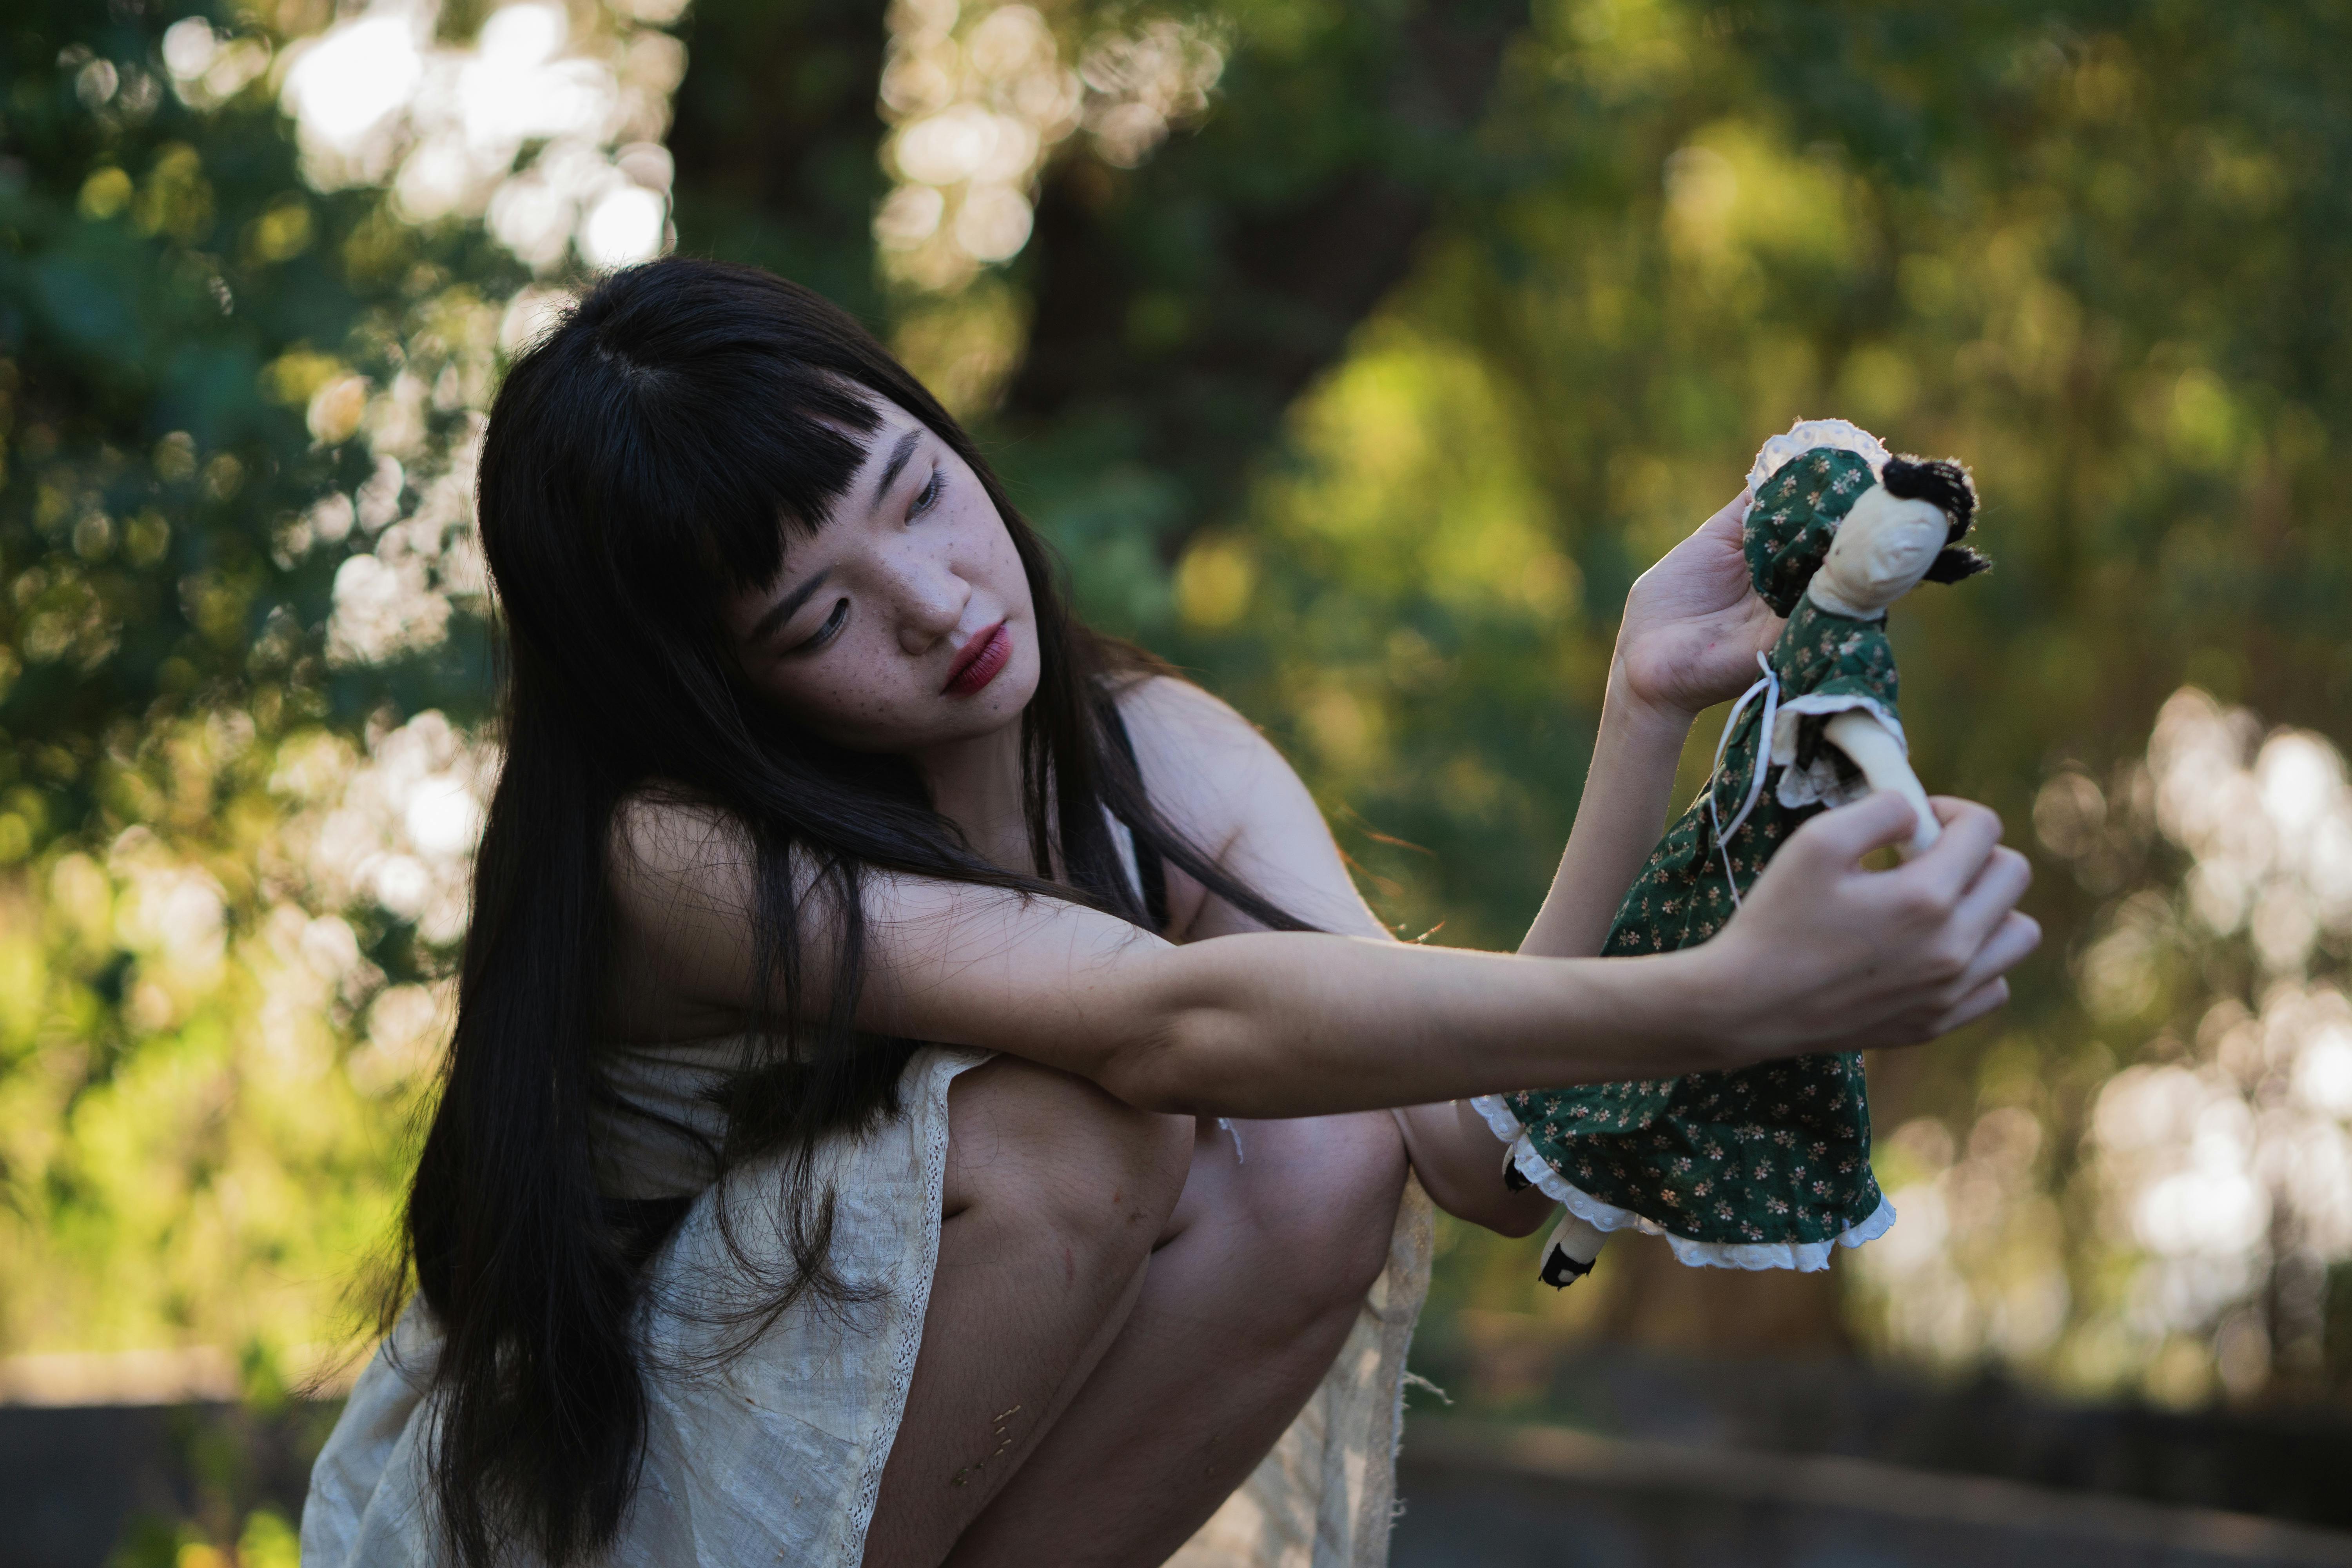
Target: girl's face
904 623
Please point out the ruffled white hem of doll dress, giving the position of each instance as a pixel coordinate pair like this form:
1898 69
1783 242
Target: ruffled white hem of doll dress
1806 1257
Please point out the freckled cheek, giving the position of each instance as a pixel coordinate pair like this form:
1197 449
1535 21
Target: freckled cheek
846 700
878 685
982 539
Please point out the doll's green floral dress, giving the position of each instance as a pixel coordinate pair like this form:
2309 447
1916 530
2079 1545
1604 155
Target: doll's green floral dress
1769 1167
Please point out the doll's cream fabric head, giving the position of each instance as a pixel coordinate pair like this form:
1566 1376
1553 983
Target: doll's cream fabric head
1852 533
1881 551
1898 533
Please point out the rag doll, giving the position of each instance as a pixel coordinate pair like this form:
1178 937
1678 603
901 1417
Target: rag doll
1767 1167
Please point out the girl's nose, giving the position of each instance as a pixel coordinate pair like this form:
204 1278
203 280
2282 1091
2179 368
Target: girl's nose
932 605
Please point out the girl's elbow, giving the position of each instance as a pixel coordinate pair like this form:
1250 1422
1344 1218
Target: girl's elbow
1155 1070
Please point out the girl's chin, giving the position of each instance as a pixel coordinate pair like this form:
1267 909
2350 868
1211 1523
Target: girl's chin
1007 693
996 707
1003 702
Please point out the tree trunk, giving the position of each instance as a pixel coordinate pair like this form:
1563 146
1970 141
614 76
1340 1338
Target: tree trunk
1184 304
776 139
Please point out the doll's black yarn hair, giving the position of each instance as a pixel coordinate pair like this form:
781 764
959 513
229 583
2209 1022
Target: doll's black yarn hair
1946 486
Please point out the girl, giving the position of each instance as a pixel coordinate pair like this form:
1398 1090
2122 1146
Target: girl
852 1148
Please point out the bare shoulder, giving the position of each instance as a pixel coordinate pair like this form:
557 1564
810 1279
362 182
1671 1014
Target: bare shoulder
1192 729
1203 763
1171 704
1226 785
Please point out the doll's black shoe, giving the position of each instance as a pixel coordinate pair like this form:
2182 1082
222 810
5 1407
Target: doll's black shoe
1560 1270
1569 1250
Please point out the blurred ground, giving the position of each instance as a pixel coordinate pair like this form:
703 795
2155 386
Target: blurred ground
1626 1460
1505 1496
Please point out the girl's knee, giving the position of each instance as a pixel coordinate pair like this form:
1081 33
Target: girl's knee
1056 1153
1323 1225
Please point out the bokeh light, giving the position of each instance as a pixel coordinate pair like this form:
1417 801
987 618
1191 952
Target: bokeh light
528 126
982 94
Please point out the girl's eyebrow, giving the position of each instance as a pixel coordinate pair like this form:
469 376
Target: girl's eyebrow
902 449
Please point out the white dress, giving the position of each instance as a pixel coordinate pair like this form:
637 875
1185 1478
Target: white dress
774 1454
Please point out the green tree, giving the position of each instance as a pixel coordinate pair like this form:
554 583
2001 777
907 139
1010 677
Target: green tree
2098 252
240 384
1357 356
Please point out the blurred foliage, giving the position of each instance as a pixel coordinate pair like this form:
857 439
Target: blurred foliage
210 376
1362 379
241 1474
785 177
2099 252
264 1539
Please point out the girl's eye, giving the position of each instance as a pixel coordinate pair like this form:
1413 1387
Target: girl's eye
929 495
827 632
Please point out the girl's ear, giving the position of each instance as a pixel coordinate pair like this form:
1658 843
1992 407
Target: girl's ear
1956 563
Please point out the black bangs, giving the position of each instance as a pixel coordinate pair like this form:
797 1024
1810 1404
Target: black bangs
720 432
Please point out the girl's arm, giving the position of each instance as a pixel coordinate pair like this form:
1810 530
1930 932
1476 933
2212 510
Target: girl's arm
1221 782
1823 956
1624 805
1691 629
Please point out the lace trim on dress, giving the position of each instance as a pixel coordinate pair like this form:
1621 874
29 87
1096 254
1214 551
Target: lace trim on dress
1807 1257
916 1305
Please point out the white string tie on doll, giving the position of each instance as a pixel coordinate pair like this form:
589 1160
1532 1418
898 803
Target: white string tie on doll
1769 685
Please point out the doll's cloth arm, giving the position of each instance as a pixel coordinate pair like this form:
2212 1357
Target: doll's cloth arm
1855 713
1884 761
1807 780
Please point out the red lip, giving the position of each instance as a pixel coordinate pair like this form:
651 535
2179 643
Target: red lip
983 658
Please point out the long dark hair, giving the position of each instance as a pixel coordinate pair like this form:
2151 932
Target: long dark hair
643 460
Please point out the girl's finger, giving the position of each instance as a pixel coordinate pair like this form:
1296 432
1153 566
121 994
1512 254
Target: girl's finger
1994 893
1837 839
1986 998
2010 943
1729 517
1952 865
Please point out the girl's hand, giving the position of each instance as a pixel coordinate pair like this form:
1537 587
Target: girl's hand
1826 956
1693 625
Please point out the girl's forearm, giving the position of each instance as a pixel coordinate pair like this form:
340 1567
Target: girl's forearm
1627 793
1302 1024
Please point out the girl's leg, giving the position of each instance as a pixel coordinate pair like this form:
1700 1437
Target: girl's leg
1243 1309
1055 1195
